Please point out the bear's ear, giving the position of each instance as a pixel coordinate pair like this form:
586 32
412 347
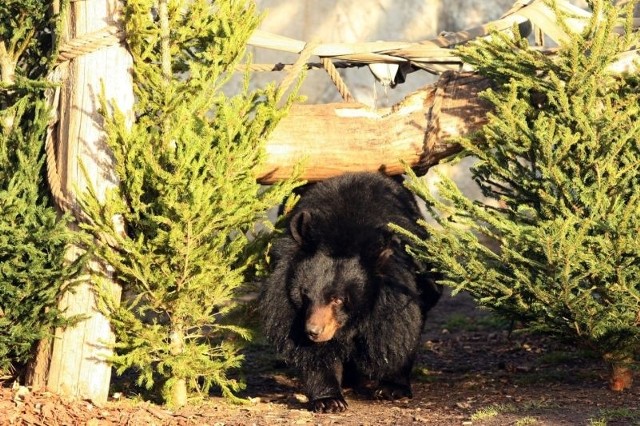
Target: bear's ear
392 244
299 227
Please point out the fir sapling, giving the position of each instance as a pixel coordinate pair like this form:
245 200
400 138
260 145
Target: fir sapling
561 156
187 194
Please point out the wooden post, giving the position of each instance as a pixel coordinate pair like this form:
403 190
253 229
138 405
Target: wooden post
78 368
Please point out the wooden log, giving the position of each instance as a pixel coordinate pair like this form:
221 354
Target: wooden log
330 139
78 365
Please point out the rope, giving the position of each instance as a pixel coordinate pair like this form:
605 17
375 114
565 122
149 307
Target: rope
55 182
286 67
434 112
328 65
71 49
90 42
297 67
433 128
337 80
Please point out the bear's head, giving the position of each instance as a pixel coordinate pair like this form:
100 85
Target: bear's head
334 280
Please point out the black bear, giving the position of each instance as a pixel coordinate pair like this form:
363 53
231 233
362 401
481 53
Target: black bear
344 299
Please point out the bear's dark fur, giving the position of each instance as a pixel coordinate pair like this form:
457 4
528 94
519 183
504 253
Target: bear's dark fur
344 299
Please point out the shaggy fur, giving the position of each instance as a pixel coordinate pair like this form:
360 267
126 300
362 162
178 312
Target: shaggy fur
344 299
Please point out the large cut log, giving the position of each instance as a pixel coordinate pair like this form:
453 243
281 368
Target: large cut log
330 139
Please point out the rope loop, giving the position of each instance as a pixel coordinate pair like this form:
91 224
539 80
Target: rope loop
69 50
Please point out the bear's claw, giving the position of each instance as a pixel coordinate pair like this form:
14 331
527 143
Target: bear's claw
392 391
329 405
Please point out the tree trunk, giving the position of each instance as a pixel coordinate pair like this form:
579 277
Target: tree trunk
38 368
7 76
178 391
78 364
331 139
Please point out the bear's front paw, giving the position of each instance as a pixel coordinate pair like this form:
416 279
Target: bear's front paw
391 391
334 404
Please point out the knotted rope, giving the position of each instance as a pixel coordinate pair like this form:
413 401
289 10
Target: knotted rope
70 49
90 42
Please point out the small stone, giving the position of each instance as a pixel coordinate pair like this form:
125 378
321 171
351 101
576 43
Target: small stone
301 398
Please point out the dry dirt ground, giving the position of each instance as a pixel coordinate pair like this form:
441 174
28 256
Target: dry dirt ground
471 371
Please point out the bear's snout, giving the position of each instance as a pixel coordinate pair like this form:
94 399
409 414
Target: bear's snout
314 331
321 324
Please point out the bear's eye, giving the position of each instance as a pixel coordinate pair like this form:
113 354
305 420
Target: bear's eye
337 301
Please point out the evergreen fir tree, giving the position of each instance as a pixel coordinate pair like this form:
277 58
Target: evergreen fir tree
33 238
187 194
561 155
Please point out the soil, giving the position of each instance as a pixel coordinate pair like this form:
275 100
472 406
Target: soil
471 371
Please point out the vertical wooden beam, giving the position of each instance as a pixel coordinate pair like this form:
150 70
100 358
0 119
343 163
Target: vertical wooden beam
78 368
